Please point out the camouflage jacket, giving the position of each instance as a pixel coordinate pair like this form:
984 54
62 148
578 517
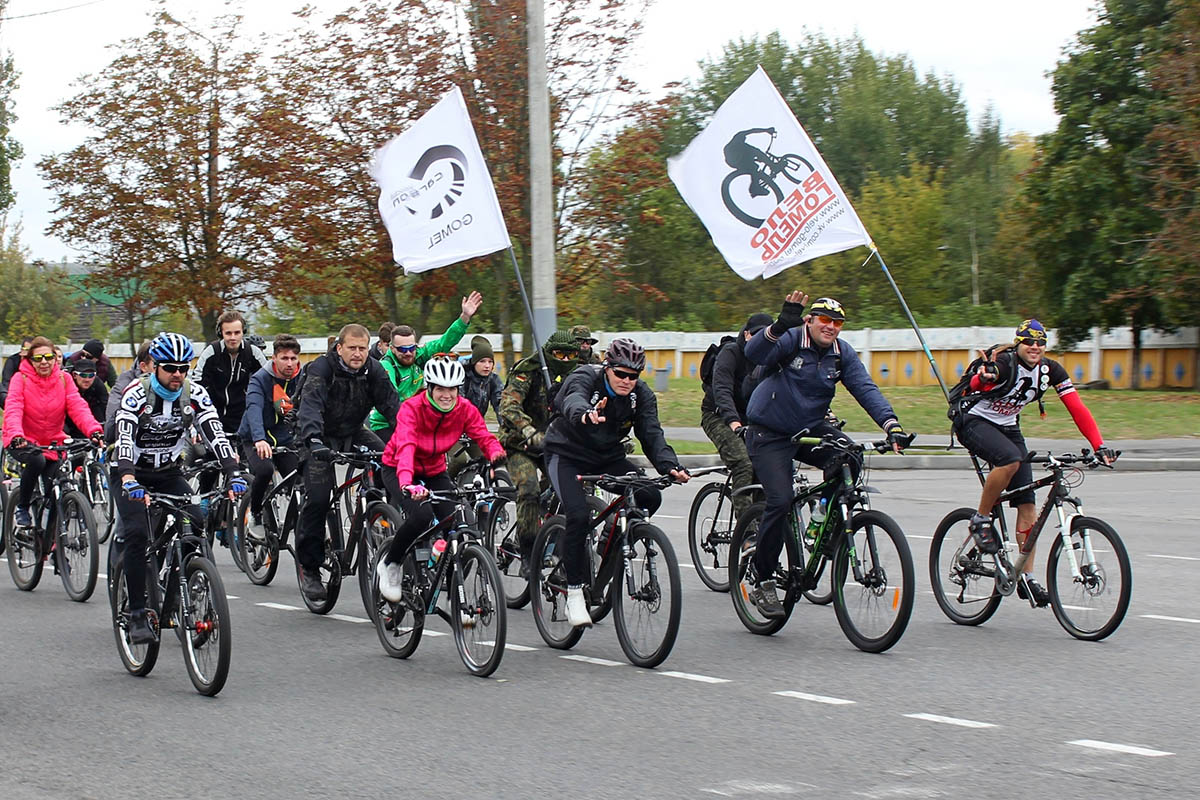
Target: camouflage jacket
524 403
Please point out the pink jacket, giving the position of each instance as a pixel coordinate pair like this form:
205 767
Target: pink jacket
37 407
424 435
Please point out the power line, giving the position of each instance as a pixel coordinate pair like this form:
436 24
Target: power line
51 11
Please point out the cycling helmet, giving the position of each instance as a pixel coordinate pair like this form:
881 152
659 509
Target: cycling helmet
827 307
444 372
627 353
171 348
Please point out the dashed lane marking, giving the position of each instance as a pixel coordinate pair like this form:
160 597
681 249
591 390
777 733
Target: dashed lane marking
601 662
916 536
817 698
1174 558
348 618
690 676
962 723
1170 619
279 606
1112 747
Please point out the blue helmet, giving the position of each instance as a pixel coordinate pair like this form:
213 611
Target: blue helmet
171 348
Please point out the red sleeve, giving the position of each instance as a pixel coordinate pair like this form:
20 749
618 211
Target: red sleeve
477 429
1083 419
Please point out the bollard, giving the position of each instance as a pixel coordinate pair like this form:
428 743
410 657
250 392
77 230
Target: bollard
660 378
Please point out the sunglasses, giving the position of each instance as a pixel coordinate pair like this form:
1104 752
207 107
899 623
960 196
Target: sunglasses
172 369
625 376
85 374
824 320
1033 342
562 355
404 348
43 357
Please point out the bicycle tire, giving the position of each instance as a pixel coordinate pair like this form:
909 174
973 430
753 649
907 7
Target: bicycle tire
382 522
260 546
954 558
710 534
1069 607
649 584
103 506
817 596
477 597
77 552
330 570
206 628
852 601
504 543
26 550
240 513
548 586
399 625
741 564
733 206
138 659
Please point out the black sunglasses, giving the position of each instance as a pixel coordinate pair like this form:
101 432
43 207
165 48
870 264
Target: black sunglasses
171 369
626 376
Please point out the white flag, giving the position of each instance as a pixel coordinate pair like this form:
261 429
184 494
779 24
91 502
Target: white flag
761 188
435 194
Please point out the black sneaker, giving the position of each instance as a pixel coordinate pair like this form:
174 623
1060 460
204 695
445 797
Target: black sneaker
766 599
311 586
140 630
22 517
1041 598
526 556
985 534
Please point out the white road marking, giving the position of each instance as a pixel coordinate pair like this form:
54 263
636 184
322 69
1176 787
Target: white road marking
916 536
817 698
279 606
347 618
1132 750
602 662
1176 558
232 597
519 648
1170 619
689 676
963 723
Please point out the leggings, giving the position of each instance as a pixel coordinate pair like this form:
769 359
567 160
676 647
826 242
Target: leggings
417 514
35 465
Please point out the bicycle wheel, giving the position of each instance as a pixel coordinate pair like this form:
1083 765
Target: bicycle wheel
548 586
103 507
77 551
138 659
399 625
239 512
710 530
382 523
962 576
747 208
1091 606
26 550
742 575
259 544
820 595
205 628
331 569
504 542
477 613
874 611
647 602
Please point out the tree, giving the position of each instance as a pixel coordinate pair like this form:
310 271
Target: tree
32 299
10 149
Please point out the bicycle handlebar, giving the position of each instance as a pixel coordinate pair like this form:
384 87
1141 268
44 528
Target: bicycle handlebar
847 446
626 481
1085 457
68 446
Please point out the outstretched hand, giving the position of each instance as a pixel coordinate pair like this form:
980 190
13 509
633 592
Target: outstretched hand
593 416
471 304
792 313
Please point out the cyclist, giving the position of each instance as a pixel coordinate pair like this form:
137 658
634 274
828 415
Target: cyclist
93 350
380 348
987 422
267 423
804 362
723 409
152 429
141 366
414 463
582 335
340 389
406 359
91 389
594 410
745 157
40 397
225 367
525 410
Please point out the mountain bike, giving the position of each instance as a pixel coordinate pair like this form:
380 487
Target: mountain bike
637 573
218 510
873 578
464 570
183 591
92 478
63 529
710 530
1088 574
742 188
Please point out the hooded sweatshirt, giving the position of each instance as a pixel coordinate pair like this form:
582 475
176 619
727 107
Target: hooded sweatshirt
424 435
37 407
268 404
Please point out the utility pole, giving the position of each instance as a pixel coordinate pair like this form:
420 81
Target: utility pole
541 194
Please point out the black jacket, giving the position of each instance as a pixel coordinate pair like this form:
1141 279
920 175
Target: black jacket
11 365
483 392
97 399
226 375
725 395
335 400
597 445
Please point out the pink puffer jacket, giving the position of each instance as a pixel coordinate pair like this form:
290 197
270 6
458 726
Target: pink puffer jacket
37 407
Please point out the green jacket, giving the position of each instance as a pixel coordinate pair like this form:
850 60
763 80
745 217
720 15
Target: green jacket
411 379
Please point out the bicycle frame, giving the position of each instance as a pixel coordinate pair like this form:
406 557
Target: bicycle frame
455 528
179 544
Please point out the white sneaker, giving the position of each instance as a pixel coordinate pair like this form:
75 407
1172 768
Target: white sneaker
577 612
389 582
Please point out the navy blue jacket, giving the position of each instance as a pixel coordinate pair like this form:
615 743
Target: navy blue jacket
797 395
261 422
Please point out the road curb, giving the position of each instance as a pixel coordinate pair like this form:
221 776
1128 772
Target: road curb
956 462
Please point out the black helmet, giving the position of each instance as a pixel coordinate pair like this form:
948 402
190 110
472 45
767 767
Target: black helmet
627 353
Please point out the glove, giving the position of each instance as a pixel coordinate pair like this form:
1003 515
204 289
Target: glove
537 441
17 443
97 438
416 491
237 484
1104 451
896 435
320 451
791 316
134 490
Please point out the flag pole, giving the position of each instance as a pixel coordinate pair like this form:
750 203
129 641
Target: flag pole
537 342
916 328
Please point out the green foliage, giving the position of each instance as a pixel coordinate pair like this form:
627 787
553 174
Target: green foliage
32 297
10 149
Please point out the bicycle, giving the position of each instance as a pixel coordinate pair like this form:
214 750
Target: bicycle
465 570
183 592
627 577
710 529
969 584
63 528
93 484
218 510
744 208
873 587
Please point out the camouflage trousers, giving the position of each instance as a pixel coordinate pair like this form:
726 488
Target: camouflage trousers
460 455
732 449
529 476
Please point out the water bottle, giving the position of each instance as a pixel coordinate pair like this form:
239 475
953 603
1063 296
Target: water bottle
817 518
439 547
45 523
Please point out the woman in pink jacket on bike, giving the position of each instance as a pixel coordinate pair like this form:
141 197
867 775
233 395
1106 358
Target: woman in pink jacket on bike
414 462
39 399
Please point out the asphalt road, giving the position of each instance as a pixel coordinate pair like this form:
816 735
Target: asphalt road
313 707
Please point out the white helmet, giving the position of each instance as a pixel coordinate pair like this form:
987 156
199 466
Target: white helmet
444 372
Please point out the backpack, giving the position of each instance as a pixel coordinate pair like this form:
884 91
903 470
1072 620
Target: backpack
962 400
709 360
186 412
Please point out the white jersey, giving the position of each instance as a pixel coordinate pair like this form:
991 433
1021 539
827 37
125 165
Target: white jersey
1030 384
152 431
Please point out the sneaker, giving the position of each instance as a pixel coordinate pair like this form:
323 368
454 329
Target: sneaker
577 611
526 556
311 586
766 599
1041 598
389 576
140 631
23 517
985 534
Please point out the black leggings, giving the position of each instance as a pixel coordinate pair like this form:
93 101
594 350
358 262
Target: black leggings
135 525
34 465
263 469
417 514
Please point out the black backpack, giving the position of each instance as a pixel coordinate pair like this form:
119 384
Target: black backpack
710 359
961 398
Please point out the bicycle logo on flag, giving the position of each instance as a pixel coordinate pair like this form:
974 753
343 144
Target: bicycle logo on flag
751 192
436 190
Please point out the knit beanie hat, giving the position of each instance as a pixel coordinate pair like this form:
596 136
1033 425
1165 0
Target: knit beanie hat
481 348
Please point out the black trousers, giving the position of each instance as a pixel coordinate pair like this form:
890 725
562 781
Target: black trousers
35 465
318 491
418 515
262 469
135 525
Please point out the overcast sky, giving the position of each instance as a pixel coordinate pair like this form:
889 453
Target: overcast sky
999 54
